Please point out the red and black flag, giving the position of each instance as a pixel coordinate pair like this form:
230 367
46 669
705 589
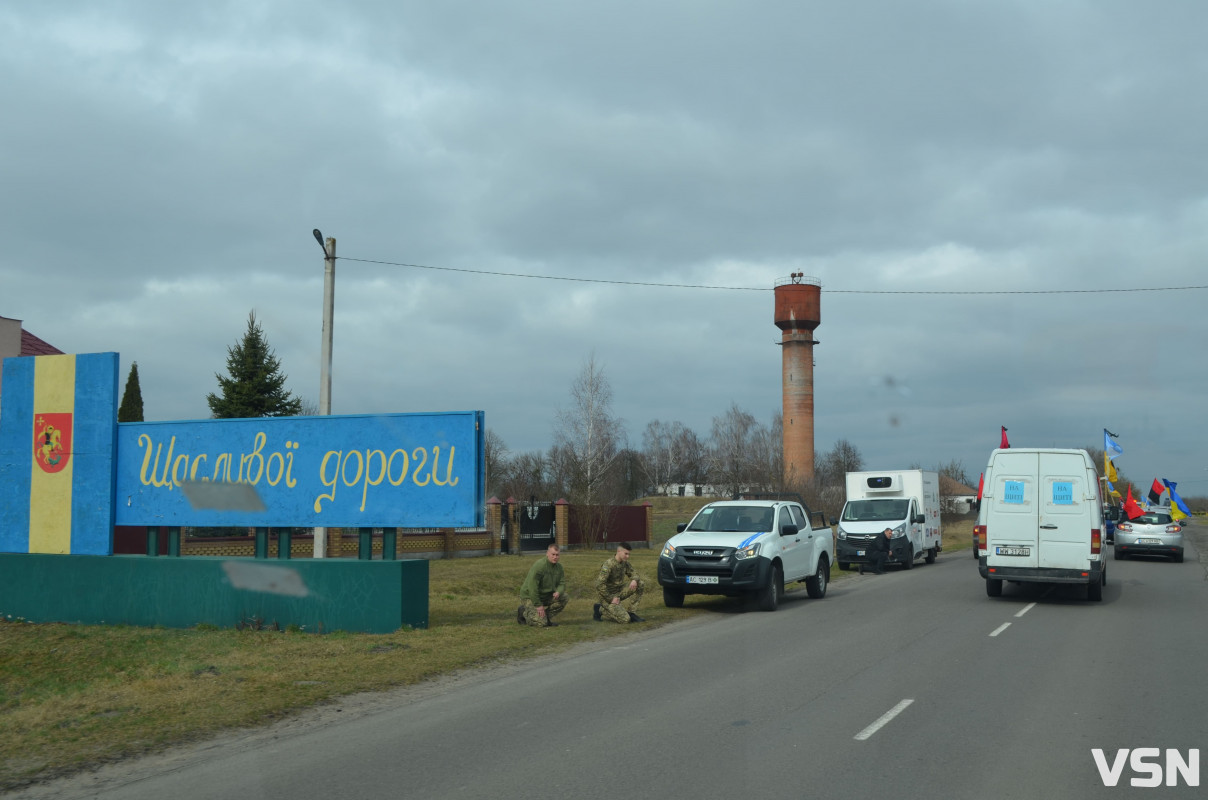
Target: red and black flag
1155 492
1005 444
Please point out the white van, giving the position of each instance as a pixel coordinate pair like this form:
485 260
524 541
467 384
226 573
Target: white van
907 501
1041 520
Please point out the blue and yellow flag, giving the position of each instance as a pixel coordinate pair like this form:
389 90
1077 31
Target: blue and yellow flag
1176 502
58 435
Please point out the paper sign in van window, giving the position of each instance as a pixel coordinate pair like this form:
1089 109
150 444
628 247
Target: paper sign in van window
1063 493
1012 492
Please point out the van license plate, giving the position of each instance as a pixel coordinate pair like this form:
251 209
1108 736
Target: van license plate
702 579
1013 551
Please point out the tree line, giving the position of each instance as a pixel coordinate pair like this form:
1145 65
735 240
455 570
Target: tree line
591 463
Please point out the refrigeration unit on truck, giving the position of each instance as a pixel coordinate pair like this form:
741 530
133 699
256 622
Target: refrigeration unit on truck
907 501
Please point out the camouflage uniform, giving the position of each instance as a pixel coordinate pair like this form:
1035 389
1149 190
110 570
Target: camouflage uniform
551 608
613 581
542 581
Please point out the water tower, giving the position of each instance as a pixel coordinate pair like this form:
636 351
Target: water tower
797 314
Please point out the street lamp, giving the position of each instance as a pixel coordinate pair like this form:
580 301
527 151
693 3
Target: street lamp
329 301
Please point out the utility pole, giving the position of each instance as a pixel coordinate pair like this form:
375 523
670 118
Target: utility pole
329 304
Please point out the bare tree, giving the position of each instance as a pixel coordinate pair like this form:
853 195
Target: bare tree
691 458
955 470
731 455
767 455
495 458
841 459
587 443
657 454
830 476
528 475
671 453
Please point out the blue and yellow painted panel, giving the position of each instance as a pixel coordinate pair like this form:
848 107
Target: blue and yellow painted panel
385 470
58 454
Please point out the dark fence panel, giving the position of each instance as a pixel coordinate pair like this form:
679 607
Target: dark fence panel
622 524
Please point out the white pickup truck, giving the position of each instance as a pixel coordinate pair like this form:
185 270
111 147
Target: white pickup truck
746 547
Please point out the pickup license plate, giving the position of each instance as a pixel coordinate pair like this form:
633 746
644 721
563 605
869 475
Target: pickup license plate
1013 551
702 579
1149 541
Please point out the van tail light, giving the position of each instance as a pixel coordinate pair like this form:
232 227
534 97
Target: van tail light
980 532
1096 541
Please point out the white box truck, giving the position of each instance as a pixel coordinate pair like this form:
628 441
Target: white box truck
1041 520
907 501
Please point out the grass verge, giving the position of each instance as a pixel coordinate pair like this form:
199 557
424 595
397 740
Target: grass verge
74 696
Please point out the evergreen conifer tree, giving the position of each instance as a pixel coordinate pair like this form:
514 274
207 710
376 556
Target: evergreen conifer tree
131 409
255 386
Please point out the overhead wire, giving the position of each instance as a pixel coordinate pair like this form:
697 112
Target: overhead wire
765 288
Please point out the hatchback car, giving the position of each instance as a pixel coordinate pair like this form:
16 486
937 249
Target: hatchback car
1154 533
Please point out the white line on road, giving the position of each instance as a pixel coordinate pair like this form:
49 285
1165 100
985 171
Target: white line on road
885 718
1001 628
1026 609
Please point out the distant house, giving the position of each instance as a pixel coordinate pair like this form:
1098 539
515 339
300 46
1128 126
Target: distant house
956 497
16 341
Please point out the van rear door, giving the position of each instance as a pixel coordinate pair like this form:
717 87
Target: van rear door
1012 526
1065 519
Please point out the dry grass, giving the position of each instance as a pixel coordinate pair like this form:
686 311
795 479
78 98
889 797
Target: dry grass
73 696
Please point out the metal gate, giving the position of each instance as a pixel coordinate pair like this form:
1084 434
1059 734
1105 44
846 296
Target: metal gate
537 526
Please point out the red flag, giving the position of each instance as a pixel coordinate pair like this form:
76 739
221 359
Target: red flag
1131 509
1005 444
1155 492
981 483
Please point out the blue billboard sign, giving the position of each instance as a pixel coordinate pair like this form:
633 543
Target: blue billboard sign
387 470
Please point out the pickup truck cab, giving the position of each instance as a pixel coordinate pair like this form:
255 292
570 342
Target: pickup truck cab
746 548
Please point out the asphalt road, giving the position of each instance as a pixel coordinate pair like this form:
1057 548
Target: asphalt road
910 684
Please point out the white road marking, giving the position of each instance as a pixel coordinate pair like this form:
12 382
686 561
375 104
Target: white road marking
1001 628
885 718
1026 609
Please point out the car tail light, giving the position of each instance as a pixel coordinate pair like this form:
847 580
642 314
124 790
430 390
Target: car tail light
980 532
1096 541
1124 526
1173 529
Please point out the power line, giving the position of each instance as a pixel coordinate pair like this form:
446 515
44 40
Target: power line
764 288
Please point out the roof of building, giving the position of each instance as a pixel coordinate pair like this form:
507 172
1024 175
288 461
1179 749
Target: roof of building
953 488
33 346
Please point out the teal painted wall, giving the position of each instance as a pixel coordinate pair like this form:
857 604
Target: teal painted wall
321 595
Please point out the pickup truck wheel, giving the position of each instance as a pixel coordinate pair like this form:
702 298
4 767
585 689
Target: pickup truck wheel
673 598
769 596
994 587
815 585
931 554
909 562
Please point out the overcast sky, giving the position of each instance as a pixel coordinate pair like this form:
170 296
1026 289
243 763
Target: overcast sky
984 190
